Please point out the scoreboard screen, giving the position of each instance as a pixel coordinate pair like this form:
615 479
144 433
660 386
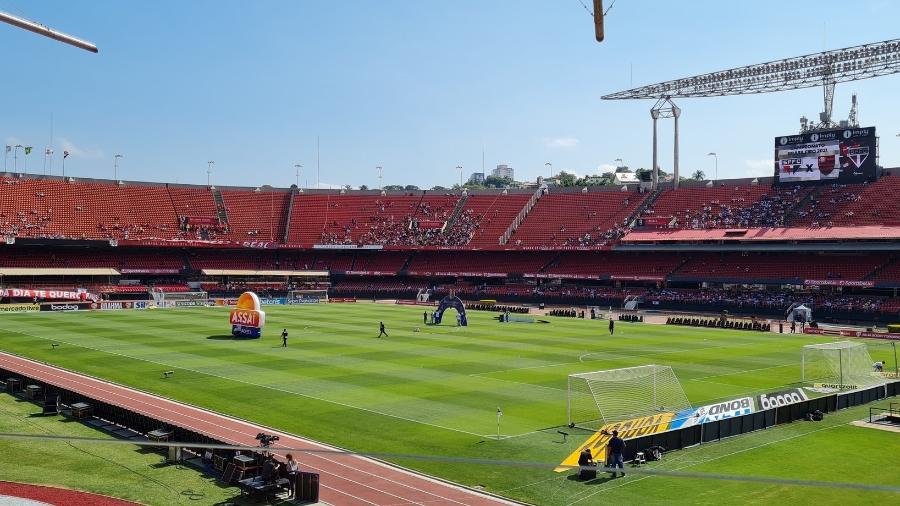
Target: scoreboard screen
845 155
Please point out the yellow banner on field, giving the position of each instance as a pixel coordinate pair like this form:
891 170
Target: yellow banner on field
628 429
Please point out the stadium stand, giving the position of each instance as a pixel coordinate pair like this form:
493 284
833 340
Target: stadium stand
784 267
486 216
158 235
577 219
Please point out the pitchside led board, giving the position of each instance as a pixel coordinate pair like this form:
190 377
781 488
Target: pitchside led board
845 155
246 318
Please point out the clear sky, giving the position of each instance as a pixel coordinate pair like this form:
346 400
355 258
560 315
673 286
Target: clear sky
417 87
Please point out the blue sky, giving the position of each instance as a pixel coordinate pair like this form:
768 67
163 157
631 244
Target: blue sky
417 87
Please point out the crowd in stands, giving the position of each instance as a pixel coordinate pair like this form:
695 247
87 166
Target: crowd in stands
821 210
765 299
734 207
720 323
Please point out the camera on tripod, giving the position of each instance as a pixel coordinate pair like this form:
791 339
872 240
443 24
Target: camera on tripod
265 439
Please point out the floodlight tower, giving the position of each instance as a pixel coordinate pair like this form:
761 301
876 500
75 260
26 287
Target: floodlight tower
825 69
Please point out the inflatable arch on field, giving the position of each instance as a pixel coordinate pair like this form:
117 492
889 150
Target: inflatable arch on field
448 302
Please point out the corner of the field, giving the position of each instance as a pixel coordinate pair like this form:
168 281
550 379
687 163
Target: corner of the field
375 460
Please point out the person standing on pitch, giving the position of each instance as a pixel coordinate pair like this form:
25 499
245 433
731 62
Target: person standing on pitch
425 318
381 331
616 450
612 326
284 334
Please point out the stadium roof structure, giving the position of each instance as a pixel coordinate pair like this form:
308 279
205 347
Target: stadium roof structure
242 272
57 271
807 71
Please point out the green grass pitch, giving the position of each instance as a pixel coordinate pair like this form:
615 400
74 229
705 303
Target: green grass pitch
435 392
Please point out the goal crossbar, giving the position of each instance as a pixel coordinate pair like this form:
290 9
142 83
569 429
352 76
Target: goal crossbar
612 395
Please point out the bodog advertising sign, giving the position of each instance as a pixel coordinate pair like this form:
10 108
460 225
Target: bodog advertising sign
782 398
246 318
628 429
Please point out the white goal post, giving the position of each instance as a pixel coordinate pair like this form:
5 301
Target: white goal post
844 365
599 397
307 296
180 299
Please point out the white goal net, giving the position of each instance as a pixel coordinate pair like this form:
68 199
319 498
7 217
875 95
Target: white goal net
599 397
843 365
180 299
307 296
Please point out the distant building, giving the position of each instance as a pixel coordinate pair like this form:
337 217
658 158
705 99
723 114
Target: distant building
626 178
476 178
504 171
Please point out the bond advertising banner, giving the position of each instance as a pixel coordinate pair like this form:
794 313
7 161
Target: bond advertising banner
845 155
713 413
628 429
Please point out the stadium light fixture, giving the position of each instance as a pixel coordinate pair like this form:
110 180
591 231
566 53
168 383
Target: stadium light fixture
460 174
548 164
380 169
46 31
116 167
297 168
16 157
209 165
713 154
824 69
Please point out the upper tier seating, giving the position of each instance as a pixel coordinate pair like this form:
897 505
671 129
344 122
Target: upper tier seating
256 216
414 219
748 206
486 217
854 205
577 219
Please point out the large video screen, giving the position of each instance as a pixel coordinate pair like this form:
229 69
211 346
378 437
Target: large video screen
845 155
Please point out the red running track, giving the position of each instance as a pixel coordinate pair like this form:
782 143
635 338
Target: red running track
55 496
344 479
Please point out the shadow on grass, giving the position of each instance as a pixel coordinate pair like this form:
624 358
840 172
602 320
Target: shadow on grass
602 477
223 337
